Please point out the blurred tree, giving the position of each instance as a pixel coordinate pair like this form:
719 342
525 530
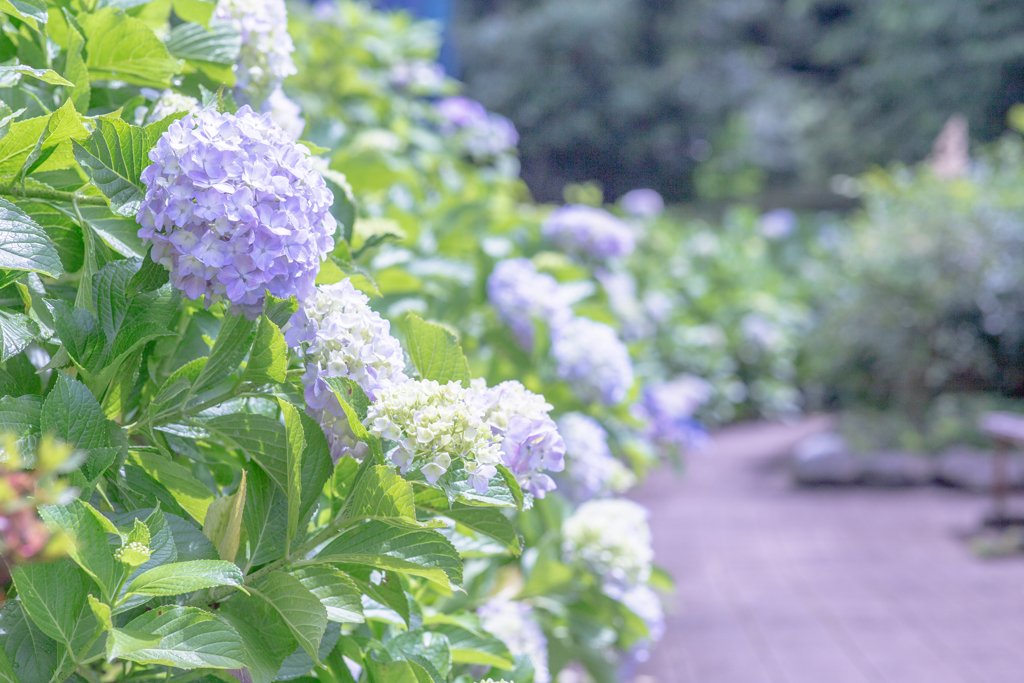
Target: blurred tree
642 92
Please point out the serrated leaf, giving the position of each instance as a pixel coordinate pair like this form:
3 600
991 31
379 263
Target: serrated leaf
184 577
88 541
114 155
32 10
75 70
300 610
435 351
228 532
187 491
279 310
72 413
39 659
233 342
80 333
53 594
381 493
124 48
265 517
110 297
121 233
295 442
268 360
474 646
421 552
483 520
191 639
65 233
45 75
266 638
262 438
17 331
148 277
219 43
299 663
354 402
20 415
337 592
24 245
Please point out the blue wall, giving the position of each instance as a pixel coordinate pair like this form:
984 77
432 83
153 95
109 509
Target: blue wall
441 12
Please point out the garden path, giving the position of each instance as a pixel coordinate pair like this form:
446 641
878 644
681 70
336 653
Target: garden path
784 585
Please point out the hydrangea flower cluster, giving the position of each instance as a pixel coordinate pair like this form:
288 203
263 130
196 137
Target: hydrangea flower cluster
620 287
642 203
513 623
519 294
434 424
530 442
485 134
420 77
233 208
591 468
285 112
593 360
588 231
265 59
339 335
642 601
167 102
668 408
612 537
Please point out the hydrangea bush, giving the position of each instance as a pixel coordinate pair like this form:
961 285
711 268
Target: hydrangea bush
296 438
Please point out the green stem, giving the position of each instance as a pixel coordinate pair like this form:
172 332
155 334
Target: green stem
52 195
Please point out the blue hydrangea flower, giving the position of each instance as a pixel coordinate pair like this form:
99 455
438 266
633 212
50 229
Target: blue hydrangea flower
339 335
642 203
265 59
530 442
484 134
669 407
588 231
520 294
233 208
590 468
593 360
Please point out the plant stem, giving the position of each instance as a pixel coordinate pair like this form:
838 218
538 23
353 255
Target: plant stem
13 190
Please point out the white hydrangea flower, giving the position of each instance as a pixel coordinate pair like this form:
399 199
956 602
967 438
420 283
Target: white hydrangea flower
434 424
285 112
590 467
500 403
593 360
339 335
513 623
613 538
170 102
265 59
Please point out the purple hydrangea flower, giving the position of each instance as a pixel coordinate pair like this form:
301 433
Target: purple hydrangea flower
591 469
530 442
519 294
339 335
669 407
778 224
593 360
265 59
418 76
514 623
233 208
462 112
484 134
642 203
588 231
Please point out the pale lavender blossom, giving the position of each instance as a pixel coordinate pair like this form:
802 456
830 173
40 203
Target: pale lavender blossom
417 76
778 224
593 360
285 112
521 295
588 231
530 442
642 203
233 208
338 335
590 468
462 112
669 407
265 58
514 623
483 134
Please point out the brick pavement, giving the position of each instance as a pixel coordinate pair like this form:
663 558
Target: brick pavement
784 585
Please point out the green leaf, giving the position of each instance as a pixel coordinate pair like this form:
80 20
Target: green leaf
20 415
110 298
191 639
124 48
316 466
482 520
184 577
265 517
75 70
148 277
17 331
72 413
262 438
218 44
188 491
435 351
279 310
7 674
354 402
114 155
295 440
305 617
223 522
64 232
198 11
381 493
32 10
45 75
233 343
420 552
88 542
38 658
53 594
266 638
474 646
120 232
24 245
337 592
268 360
80 333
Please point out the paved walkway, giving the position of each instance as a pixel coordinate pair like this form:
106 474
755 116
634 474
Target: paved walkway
784 585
